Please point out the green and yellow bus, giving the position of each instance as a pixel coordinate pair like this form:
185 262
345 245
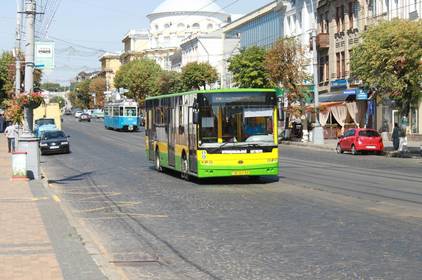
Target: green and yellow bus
214 133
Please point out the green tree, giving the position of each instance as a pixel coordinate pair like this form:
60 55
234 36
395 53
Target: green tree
248 68
81 97
285 63
196 75
140 77
98 86
6 75
170 82
388 61
58 99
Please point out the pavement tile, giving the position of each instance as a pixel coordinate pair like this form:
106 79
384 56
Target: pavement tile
26 251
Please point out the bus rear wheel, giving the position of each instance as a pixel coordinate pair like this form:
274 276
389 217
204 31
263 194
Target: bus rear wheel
157 162
185 168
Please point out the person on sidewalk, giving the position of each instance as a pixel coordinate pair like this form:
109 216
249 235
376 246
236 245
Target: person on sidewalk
11 133
396 136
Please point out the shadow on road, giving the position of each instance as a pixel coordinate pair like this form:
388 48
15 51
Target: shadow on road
73 178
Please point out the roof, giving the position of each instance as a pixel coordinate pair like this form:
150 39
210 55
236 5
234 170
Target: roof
225 90
174 6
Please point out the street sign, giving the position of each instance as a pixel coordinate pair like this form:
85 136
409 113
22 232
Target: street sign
349 91
361 95
44 55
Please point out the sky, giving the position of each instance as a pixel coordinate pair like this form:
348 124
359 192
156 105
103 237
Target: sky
82 28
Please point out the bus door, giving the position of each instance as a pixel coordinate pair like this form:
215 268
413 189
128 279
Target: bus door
192 139
150 133
172 137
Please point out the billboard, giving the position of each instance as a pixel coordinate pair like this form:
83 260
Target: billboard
44 55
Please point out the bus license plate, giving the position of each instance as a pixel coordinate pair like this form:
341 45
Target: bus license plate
240 173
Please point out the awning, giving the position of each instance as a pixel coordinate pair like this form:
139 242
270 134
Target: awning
338 97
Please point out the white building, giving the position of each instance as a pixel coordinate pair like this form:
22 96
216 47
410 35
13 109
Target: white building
174 20
208 48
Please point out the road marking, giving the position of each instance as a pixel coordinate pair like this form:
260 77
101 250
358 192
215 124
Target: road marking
56 198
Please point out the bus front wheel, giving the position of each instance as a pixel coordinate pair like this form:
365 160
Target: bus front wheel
157 161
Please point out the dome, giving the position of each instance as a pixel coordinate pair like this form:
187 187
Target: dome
174 6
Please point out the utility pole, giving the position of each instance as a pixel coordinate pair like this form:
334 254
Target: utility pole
19 7
27 141
317 132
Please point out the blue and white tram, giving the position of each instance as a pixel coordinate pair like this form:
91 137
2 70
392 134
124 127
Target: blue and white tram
121 115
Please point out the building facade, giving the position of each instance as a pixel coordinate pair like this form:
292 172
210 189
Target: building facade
135 42
264 26
174 20
340 25
208 48
110 63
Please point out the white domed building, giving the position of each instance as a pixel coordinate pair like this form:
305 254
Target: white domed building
174 20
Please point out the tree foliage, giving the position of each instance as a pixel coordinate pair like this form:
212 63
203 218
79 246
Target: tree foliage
6 75
249 70
196 75
140 77
98 86
170 82
388 61
285 63
58 99
81 97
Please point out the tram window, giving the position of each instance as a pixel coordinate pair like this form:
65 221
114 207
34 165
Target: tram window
130 111
121 111
115 111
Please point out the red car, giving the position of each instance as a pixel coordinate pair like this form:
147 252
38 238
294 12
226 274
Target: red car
358 140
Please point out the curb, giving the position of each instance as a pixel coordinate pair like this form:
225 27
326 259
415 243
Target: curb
389 154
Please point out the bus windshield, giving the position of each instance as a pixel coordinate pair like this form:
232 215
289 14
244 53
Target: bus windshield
236 117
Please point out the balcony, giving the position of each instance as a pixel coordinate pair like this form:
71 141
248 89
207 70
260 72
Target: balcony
323 41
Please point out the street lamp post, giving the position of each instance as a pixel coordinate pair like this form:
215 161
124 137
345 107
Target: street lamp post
27 141
317 132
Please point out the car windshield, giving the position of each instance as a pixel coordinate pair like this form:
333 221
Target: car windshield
53 134
44 122
368 133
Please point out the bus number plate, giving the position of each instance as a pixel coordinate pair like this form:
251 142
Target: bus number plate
240 173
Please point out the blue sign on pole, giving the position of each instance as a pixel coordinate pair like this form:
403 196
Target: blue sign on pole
361 95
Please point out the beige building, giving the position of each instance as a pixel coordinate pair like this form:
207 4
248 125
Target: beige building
135 42
110 63
340 25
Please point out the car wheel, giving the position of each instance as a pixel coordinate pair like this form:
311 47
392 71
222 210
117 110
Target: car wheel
185 168
354 151
338 149
157 162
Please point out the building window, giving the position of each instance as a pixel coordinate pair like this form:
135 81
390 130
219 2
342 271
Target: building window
338 18
350 12
338 69
321 69
195 26
342 17
327 29
166 26
180 26
210 26
343 65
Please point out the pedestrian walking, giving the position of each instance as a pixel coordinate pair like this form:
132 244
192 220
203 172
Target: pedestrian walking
1 123
11 133
396 136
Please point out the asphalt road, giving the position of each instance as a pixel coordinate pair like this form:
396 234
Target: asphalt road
328 217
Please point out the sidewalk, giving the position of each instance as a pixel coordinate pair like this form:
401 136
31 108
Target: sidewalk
36 240
25 248
414 147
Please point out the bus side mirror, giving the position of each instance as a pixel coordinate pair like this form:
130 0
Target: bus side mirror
195 118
